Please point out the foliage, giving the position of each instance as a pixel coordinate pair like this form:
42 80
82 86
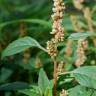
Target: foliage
25 67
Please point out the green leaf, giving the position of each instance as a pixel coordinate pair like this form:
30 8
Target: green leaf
80 91
43 81
79 35
20 45
29 92
14 86
49 90
34 91
86 76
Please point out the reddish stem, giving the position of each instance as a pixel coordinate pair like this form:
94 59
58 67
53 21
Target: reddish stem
55 75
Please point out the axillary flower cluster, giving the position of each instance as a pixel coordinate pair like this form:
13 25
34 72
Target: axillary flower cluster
57 29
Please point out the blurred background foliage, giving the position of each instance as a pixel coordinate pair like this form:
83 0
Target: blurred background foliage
19 18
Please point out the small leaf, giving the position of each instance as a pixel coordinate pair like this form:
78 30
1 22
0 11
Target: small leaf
79 35
80 91
48 91
34 91
20 45
86 76
43 81
14 86
29 92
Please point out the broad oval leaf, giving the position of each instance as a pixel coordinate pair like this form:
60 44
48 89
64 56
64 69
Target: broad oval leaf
86 76
43 81
20 45
81 35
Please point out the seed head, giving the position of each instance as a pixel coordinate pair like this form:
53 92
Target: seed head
51 48
57 17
